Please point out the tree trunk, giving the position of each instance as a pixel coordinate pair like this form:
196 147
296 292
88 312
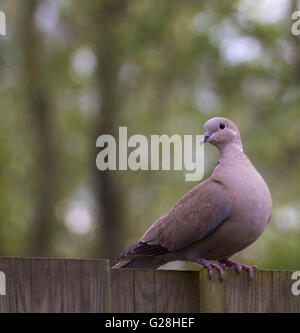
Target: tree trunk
296 45
108 192
39 108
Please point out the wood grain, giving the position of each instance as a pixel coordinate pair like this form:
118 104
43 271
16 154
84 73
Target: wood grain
55 285
176 291
269 291
78 285
122 290
144 291
283 300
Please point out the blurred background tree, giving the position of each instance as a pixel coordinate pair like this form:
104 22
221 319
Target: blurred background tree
73 70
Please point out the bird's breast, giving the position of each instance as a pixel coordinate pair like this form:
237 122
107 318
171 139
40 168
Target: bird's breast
251 202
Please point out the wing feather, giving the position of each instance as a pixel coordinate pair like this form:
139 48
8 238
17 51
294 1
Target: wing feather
194 217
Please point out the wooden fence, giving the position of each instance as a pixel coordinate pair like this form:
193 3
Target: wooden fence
75 285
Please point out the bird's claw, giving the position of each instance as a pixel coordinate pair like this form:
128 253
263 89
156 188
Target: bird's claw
210 266
218 268
238 267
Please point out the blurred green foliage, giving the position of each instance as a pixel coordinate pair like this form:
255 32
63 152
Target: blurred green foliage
178 64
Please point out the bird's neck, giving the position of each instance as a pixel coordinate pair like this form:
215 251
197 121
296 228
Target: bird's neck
231 158
231 151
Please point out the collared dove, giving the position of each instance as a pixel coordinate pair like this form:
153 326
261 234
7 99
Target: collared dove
216 219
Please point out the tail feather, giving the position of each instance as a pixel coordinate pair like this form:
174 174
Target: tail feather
121 264
142 262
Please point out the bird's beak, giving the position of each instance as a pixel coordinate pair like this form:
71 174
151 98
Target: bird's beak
204 139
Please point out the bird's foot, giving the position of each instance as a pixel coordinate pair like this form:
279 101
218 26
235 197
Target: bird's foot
238 267
210 266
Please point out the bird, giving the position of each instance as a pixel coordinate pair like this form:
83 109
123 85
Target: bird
219 217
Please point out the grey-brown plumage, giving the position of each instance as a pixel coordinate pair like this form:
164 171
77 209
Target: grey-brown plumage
216 219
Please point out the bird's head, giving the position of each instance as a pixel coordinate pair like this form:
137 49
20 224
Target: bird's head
221 132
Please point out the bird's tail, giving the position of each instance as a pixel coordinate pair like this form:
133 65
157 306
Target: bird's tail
142 263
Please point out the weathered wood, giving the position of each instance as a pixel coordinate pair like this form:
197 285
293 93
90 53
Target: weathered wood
282 298
144 291
211 293
154 291
122 290
55 285
267 286
77 285
269 291
177 291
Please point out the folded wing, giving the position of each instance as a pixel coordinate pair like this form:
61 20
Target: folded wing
194 217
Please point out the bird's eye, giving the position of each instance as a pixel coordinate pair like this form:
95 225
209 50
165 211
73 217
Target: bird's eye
222 126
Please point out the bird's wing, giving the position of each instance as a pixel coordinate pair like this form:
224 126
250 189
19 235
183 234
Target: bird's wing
194 217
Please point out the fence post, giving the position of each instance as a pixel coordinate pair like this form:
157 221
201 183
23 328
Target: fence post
80 285
55 285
